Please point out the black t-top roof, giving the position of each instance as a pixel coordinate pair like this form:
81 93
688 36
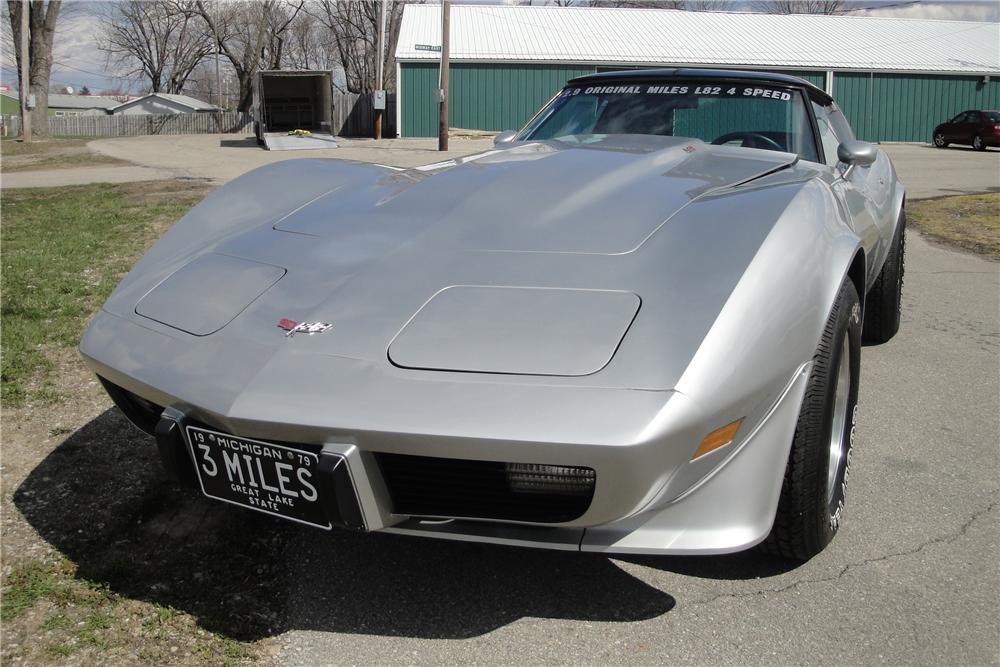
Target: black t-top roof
696 73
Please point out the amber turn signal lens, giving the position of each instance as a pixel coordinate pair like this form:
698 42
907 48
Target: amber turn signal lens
718 438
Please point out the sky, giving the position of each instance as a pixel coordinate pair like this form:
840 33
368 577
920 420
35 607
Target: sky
79 62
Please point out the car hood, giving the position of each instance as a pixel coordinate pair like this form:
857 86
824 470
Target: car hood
606 228
605 196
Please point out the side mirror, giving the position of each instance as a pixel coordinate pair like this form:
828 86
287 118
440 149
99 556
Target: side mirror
857 153
504 137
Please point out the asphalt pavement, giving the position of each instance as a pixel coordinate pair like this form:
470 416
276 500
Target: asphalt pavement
913 577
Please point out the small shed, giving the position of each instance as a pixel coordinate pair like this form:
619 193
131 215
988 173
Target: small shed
163 103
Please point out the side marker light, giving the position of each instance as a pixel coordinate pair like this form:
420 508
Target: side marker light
718 438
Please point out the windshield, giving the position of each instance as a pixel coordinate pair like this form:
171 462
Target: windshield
722 112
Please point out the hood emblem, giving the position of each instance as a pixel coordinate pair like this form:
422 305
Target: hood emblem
309 328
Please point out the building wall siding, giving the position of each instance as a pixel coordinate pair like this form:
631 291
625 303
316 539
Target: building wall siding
498 96
484 96
906 107
9 105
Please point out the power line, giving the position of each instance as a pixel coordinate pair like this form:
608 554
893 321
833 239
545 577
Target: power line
105 75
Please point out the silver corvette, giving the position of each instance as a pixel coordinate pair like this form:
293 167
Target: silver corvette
634 326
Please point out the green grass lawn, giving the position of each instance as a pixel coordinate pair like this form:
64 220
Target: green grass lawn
971 222
63 251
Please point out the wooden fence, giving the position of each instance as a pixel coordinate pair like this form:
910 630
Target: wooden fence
353 116
139 125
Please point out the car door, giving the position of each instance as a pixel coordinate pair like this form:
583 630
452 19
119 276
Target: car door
982 124
865 190
948 128
966 127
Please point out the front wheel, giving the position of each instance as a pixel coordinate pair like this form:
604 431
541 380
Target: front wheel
939 140
813 492
978 144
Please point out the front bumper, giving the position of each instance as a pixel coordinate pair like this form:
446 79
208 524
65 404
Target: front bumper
730 510
648 498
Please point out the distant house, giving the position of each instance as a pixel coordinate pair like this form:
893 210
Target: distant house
80 105
160 103
63 105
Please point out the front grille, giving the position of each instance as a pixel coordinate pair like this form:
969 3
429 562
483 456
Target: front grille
438 487
144 414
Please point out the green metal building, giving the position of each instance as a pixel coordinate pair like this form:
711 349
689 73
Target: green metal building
895 78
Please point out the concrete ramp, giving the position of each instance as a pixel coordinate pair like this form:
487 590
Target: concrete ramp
282 141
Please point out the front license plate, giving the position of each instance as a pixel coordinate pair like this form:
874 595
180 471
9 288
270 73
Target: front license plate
274 479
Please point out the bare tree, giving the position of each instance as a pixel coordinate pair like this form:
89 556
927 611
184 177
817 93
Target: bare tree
640 4
709 5
354 30
309 45
798 6
158 42
689 5
250 34
42 17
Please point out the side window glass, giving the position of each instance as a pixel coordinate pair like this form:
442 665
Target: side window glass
841 127
826 134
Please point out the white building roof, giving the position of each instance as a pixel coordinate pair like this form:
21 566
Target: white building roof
184 100
670 37
61 101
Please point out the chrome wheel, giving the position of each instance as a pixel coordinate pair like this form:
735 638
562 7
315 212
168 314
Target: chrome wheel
839 438
939 140
977 143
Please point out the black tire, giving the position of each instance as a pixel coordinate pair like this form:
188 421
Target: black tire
978 143
812 502
939 140
883 303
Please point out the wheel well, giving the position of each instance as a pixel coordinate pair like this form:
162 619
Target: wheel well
857 275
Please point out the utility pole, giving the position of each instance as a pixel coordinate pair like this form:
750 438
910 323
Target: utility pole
25 76
443 92
380 76
218 80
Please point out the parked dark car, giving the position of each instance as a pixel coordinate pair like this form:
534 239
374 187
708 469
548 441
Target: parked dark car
978 129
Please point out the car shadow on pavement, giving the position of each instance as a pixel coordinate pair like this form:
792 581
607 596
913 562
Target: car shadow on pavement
102 499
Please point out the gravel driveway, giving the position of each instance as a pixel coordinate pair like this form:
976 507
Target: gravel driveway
927 171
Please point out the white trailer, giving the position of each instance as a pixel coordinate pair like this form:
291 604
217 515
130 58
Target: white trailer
293 109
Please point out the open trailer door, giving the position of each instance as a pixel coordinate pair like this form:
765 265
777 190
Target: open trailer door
294 109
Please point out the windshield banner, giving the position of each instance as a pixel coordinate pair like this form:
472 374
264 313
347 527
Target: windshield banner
693 89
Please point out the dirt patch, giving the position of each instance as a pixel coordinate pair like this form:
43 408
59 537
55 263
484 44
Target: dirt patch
971 222
101 551
51 153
